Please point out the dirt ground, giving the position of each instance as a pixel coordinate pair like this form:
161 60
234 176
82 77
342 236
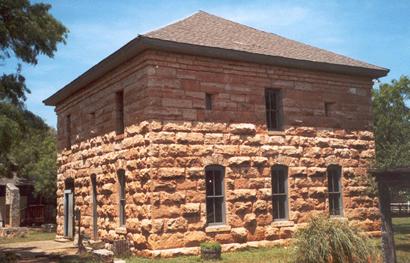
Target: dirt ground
40 251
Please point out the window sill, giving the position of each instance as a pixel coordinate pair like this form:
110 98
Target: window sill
217 228
119 137
121 230
282 223
276 133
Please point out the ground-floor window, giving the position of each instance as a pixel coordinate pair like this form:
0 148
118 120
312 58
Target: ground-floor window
334 189
279 174
215 200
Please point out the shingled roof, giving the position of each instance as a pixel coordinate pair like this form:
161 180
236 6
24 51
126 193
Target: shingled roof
209 35
204 29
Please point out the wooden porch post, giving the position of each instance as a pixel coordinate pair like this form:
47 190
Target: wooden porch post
389 249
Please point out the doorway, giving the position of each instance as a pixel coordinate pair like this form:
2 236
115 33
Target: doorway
94 202
69 209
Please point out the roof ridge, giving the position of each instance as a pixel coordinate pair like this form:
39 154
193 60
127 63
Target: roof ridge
174 22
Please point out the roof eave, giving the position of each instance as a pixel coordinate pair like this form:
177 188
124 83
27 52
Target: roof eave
131 49
260 58
141 43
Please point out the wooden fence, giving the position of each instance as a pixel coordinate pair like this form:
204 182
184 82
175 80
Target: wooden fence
400 209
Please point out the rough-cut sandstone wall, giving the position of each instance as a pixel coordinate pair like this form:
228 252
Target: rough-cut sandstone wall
179 152
170 138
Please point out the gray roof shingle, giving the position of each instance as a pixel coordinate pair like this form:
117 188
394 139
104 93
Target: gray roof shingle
204 29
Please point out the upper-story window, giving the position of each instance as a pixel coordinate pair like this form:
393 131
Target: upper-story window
121 196
273 109
334 189
68 131
329 109
119 109
279 174
215 198
208 101
92 122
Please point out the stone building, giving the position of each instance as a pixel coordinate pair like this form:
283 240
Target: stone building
20 206
211 130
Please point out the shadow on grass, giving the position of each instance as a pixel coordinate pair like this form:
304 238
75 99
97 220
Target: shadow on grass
401 227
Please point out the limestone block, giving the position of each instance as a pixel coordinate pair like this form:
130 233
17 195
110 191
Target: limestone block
191 208
107 189
260 206
194 238
258 161
157 225
271 233
243 207
276 140
286 232
241 195
224 238
214 138
269 150
242 128
137 239
171 172
190 137
162 137
250 219
177 126
239 234
241 160
176 224
166 240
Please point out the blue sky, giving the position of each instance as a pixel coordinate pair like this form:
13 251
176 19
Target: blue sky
377 32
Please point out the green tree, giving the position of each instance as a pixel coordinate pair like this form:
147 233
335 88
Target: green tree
392 123
27 144
26 31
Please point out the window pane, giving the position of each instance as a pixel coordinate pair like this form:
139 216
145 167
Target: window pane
334 204
333 178
281 183
282 206
209 184
279 207
278 180
218 209
208 101
272 108
210 210
273 100
218 183
274 116
122 212
119 96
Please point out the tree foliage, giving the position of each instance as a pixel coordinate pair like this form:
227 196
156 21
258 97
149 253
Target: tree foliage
392 123
27 144
26 31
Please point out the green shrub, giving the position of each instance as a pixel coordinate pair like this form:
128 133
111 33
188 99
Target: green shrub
327 240
211 245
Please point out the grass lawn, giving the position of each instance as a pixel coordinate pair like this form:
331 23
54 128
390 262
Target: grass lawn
401 227
260 255
33 235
